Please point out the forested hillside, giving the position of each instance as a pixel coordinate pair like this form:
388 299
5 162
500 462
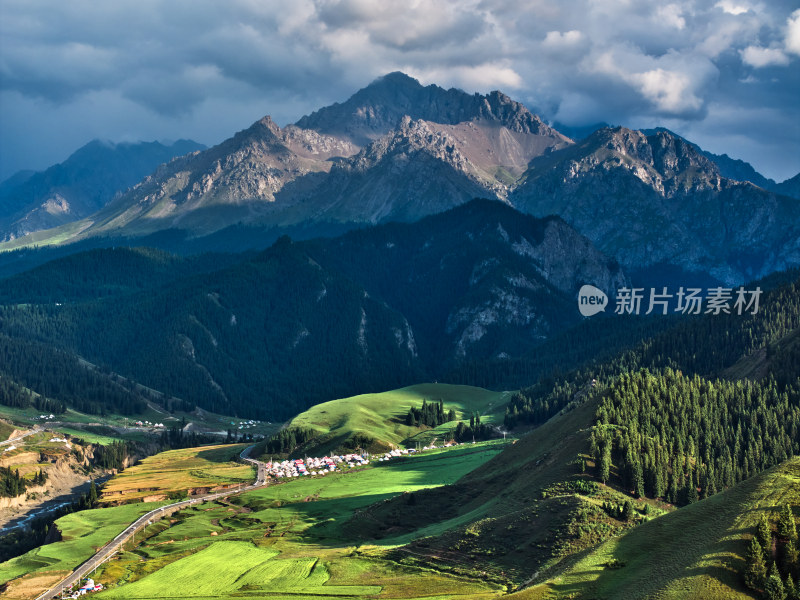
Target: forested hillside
615 443
269 334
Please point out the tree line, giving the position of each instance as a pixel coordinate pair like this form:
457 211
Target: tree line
683 438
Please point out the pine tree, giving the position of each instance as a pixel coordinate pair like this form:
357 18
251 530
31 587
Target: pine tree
605 462
787 529
773 588
764 534
791 557
791 590
756 570
627 511
93 494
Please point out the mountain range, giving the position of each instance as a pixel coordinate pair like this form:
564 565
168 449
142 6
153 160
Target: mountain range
399 151
80 185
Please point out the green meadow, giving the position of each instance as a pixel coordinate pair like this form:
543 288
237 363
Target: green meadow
286 540
82 534
382 415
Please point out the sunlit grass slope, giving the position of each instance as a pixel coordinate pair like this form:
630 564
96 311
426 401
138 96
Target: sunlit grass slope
382 415
695 552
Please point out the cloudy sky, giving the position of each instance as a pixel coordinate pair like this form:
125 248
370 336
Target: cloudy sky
725 74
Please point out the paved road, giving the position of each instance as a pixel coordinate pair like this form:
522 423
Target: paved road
36 429
112 547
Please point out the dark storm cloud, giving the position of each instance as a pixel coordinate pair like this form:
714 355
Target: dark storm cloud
152 69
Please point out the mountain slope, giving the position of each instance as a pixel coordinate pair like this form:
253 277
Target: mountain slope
422 150
654 200
529 511
478 281
378 420
695 552
790 187
80 185
270 334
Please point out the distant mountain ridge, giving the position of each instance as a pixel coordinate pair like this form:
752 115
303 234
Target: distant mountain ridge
80 185
399 151
650 200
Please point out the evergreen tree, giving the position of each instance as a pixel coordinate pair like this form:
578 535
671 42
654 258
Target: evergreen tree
756 569
791 590
93 494
791 557
787 529
773 588
604 467
627 511
764 534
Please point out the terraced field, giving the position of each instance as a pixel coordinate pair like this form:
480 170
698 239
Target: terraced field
176 472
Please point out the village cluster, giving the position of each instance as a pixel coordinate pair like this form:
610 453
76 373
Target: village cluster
246 424
149 424
326 464
87 587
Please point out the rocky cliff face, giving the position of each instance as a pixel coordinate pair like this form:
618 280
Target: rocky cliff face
650 200
375 110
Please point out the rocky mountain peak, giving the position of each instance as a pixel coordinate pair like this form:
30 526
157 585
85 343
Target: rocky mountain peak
378 108
656 159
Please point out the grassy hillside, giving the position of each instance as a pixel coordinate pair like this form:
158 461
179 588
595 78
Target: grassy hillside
381 416
696 552
521 512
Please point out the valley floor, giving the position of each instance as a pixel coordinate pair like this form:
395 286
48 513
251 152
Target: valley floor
282 541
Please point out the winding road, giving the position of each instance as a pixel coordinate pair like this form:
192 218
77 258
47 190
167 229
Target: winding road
112 547
36 429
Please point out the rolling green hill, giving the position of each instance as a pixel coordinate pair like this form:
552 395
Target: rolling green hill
381 416
696 552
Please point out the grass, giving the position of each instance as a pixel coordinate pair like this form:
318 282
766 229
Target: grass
175 472
382 415
82 533
5 430
695 552
283 541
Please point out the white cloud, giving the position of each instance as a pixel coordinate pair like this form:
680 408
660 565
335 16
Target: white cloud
793 33
583 61
669 91
732 8
672 15
485 77
764 57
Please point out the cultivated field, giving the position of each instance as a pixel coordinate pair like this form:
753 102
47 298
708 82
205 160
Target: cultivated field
176 472
282 541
